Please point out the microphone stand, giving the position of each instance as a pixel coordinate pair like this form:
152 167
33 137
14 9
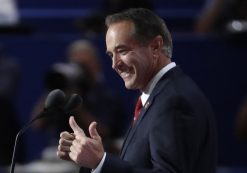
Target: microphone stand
17 139
73 102
50 112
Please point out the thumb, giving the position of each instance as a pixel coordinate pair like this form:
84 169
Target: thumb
93 131
75 127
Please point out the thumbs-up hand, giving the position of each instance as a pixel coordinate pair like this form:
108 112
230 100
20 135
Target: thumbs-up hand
83 150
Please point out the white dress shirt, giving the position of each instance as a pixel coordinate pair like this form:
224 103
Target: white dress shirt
148 90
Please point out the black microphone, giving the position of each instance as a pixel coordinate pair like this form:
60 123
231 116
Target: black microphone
54 102
54 99
73 102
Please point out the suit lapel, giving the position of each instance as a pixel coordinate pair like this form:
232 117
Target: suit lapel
132 129
160 86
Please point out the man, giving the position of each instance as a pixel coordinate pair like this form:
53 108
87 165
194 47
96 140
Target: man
175 129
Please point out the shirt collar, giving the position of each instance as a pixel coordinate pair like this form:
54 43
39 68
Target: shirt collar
148 90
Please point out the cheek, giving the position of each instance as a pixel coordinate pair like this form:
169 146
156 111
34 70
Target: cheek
138 58
129 60
140 62
144 63
145 70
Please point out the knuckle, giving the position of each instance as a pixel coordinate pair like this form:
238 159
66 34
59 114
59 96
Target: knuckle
70 155
63 142
61 154
85 143
62 134
71 148
74 142
60 141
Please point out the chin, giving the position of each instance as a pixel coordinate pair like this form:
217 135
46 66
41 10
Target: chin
131 83
128 87
131 86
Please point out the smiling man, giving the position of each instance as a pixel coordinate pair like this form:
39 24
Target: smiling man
174 130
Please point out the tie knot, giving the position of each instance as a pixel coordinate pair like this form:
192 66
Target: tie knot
138 108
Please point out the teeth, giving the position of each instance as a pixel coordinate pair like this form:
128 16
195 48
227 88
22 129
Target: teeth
124 74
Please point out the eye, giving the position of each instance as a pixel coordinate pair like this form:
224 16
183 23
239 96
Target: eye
123 51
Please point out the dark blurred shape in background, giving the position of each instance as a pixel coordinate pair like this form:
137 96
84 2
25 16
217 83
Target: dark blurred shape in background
223 16
10 76
94 23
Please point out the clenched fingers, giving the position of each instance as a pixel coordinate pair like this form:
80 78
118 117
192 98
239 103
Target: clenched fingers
67 135
63 155
65 142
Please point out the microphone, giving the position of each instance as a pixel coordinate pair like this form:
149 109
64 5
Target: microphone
54 99
74 101
54 104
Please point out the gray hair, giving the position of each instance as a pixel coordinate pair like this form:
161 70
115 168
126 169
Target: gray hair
147 26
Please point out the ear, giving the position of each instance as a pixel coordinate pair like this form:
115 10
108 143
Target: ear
156 45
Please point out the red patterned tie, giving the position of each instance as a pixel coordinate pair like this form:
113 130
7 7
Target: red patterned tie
137 109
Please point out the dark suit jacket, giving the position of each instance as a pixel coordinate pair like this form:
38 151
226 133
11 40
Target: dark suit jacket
175 132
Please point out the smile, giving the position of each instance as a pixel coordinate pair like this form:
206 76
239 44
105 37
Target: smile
124 74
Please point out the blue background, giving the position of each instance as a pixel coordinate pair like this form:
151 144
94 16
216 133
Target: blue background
216 63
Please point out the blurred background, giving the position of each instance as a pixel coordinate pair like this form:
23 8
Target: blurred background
210 43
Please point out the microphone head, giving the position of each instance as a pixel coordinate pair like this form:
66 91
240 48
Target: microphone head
55 98
74 101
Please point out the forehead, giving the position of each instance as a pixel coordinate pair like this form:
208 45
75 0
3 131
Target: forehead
120 30
119 33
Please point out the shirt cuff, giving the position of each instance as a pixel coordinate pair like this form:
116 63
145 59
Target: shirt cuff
99 167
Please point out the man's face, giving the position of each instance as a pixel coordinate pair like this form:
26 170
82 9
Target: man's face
132 61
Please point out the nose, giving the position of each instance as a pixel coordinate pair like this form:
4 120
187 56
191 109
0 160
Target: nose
115 61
